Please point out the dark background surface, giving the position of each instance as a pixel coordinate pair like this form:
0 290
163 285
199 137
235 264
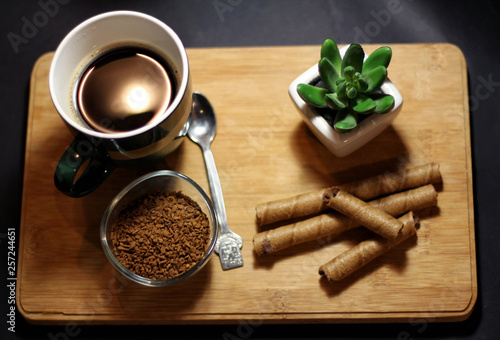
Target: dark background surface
471 25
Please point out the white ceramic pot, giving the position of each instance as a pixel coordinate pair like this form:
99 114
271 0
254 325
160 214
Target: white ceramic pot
342 144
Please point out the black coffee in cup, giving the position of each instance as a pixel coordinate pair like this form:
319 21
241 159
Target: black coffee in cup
125 89
121 82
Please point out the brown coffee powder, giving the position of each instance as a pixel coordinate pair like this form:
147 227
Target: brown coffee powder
160 235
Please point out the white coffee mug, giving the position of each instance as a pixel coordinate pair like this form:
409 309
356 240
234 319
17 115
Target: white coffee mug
106 150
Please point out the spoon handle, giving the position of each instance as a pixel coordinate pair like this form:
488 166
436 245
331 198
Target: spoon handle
216 190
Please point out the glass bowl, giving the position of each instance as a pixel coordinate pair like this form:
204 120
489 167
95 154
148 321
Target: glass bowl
163 180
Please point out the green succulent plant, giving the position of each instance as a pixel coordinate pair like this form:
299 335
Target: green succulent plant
350 85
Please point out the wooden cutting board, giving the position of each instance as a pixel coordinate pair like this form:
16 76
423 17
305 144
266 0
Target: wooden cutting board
264 152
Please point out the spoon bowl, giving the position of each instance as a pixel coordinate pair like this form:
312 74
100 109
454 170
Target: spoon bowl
203 123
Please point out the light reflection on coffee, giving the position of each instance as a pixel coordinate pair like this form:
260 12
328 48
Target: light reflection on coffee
125 89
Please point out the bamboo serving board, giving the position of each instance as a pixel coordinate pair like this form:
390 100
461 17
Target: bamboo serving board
264 152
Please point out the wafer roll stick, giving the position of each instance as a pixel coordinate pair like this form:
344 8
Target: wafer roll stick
311 203
364 213
273 240
333 224
356 257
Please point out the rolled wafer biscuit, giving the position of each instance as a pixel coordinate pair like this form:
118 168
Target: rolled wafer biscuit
333 224
311 203
330 224
358 256
363 213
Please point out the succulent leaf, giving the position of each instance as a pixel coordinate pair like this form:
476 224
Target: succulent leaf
349 73
375 78
328 74
336 103
345 121
363 104
342 90
351 92
353 57
330 51
380 57
313 95
384 103
361 85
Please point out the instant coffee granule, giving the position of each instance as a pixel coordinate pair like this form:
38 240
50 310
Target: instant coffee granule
160 235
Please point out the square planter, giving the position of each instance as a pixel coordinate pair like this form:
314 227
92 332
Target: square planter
342 144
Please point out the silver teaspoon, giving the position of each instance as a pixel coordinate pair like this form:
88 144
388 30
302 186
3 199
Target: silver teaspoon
202 131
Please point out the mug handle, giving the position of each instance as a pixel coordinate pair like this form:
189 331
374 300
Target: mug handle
98 168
